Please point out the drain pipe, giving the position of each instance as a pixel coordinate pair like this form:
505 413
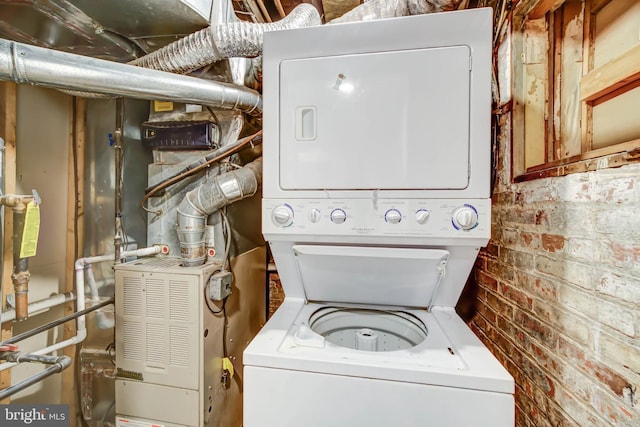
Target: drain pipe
20 276
215 43
40 306
34 65
204 200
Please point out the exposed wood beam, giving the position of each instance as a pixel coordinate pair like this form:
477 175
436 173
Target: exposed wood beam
615 74
8 92
544 6
75 237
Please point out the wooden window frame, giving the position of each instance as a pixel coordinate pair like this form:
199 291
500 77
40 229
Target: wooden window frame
532 64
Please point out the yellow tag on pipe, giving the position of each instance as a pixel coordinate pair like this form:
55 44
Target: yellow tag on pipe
30 231
228 366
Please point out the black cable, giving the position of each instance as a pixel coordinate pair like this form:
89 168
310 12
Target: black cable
55 323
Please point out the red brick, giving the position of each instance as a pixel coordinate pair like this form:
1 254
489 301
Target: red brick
536 329
605 376
552 242
518 297
486 281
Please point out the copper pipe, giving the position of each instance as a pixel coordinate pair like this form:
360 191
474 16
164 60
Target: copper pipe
20 276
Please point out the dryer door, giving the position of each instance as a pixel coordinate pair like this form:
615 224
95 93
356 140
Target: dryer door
384 120
370 275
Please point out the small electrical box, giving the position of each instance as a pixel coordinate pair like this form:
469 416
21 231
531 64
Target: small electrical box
220 285
181 135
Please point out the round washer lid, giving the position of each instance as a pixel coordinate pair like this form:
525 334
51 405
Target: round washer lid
370 275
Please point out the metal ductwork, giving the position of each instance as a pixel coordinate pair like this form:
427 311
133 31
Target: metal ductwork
378 9
206 199
60 70
215 43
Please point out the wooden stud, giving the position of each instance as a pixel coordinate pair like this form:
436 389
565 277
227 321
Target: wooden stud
75 237
8 92
586 109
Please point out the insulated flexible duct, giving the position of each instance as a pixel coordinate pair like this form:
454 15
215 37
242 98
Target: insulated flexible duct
206 199
212 44
34 65
377 9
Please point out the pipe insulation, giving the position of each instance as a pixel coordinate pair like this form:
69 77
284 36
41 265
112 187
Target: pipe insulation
215 43
34 65
206 199
378 9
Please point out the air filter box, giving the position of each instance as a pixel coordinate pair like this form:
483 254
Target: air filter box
181 135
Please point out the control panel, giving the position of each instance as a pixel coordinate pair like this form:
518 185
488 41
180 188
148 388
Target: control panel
383 217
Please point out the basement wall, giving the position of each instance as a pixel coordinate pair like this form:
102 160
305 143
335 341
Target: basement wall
558 290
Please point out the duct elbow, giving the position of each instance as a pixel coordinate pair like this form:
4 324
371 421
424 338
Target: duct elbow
206 199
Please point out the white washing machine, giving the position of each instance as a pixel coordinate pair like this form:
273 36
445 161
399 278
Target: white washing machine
375 205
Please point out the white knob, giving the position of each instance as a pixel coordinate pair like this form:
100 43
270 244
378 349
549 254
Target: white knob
422 215
338 216
314 215
282 215
465 217
393 216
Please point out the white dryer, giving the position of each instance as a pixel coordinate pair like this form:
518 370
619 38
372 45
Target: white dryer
375 205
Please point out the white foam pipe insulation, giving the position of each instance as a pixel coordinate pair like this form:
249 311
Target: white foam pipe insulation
378 9
218 42
206 199
80 266
34 65
39 306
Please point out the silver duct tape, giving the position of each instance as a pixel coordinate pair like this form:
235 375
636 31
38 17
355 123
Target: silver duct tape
230 186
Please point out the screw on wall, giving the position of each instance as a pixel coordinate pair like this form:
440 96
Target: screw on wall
629 395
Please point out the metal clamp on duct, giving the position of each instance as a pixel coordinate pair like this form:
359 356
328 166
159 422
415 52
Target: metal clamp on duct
206 199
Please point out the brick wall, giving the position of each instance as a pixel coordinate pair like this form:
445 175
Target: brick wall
558 294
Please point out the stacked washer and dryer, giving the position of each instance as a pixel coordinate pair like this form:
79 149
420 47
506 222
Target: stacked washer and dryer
376 201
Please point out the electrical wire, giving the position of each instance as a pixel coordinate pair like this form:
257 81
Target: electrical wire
227 239
206 162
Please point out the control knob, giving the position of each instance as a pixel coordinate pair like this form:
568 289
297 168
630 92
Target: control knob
393 216
465 218
314 215
422 215
282 215
338 216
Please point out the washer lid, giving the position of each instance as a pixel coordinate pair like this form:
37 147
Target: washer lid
370 275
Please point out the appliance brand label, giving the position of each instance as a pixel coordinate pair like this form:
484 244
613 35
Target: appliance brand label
34 415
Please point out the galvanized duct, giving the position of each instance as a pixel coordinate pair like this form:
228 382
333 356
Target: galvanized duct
204 200
377 9
22 63
212 44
